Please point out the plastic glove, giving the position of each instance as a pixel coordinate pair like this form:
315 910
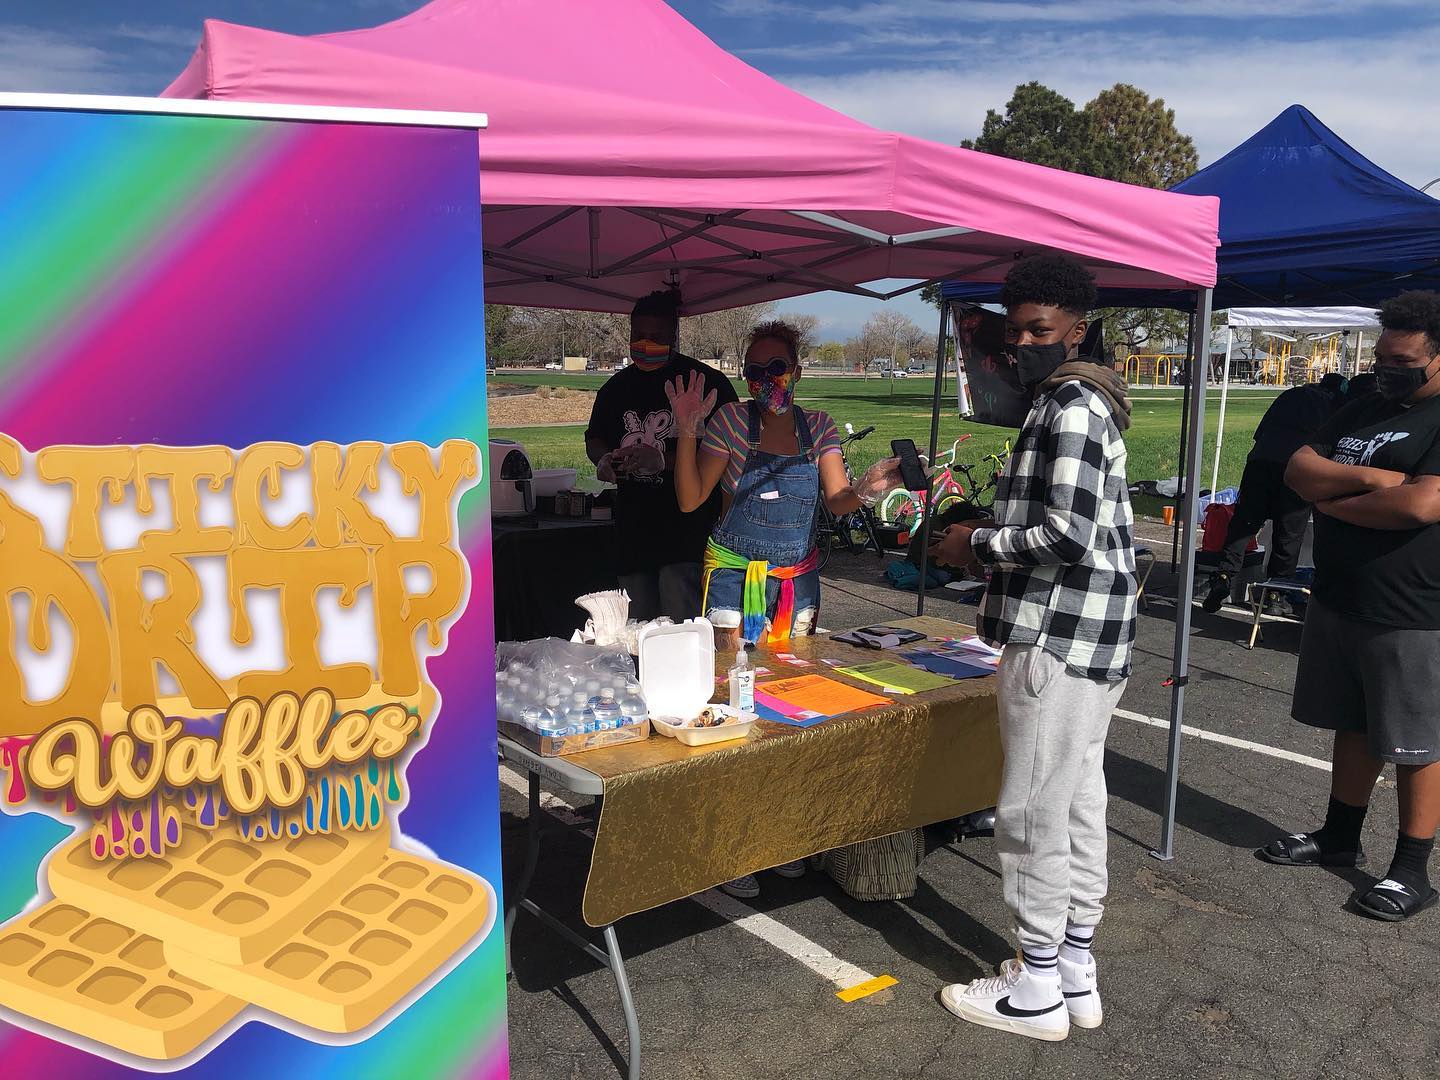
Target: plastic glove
639 459
605 469
690 405
878 480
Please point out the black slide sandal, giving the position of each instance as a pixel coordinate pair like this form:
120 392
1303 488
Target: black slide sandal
1300 849
1394 901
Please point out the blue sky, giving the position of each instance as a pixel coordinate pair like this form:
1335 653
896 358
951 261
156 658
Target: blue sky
1368 68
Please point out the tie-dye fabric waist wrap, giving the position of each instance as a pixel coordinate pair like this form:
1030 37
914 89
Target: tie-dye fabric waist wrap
752 610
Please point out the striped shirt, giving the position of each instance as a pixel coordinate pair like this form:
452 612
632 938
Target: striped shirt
1063 550
727 434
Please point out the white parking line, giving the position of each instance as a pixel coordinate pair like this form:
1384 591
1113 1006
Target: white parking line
1227 740
839 973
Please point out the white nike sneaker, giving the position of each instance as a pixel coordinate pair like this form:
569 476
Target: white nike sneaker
1082 993
987 1002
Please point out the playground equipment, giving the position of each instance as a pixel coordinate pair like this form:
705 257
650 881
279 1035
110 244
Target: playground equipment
1154 369
1266 319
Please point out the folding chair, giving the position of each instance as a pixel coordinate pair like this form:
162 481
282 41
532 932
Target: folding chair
1255 595
1143 551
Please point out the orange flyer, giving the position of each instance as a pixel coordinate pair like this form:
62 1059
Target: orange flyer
817 694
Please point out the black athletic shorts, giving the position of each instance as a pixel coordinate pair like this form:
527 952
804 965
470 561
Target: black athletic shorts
1356 675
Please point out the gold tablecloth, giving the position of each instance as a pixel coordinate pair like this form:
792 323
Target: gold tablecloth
677 820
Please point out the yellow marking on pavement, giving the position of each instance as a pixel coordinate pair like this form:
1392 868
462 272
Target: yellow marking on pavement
865 989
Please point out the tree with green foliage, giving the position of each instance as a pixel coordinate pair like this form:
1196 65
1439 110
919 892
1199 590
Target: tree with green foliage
1133 139
1121 134
1039 125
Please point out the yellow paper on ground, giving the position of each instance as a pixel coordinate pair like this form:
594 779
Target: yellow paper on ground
895 677
816 693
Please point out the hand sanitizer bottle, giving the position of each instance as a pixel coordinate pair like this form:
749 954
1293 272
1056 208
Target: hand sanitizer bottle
742 684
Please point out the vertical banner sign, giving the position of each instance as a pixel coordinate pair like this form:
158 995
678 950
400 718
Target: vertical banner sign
990 384
247 731
990 390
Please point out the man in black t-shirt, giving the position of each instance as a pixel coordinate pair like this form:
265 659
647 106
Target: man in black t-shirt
1370 655
1290 420
631 440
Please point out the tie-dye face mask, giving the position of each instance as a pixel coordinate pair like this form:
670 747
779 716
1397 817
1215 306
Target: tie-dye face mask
649 355
773 392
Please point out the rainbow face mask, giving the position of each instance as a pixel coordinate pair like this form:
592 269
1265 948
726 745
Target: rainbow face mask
773 392
649 355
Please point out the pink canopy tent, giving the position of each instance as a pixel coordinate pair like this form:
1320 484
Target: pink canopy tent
626 150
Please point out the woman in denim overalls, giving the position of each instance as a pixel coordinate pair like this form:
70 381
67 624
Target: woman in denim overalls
774 463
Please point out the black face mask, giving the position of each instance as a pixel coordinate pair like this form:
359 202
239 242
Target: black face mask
1035 363
1399 383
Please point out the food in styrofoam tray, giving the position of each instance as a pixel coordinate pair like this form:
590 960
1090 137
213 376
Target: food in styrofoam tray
710 717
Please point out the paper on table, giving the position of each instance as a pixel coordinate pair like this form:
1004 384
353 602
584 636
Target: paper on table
895 677
817 694
956 665
971 648
782 712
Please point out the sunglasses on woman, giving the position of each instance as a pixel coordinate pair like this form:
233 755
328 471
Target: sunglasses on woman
774 367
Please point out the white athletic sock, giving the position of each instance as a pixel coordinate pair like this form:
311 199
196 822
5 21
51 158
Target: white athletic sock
1040 960
1076 948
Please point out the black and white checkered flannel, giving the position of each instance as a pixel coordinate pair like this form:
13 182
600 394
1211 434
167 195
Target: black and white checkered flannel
1062 551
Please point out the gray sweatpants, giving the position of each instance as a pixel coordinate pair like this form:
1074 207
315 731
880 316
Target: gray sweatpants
1050 822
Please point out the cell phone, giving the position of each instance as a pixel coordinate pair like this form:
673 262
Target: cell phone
912 473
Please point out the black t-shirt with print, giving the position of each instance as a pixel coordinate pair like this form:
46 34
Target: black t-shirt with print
630 408
1387 576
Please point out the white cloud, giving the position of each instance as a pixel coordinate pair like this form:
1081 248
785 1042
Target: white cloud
875 13
177 37
1378 94
39 61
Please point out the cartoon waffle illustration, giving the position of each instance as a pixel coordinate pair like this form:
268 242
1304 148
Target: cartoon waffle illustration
237 852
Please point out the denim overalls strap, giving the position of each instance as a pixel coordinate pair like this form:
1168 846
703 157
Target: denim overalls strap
772 514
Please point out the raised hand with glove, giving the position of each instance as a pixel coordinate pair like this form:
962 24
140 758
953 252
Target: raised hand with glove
689 405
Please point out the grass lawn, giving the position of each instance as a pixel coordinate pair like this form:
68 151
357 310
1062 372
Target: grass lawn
900 408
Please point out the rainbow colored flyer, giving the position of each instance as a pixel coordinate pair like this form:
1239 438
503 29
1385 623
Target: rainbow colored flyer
247 753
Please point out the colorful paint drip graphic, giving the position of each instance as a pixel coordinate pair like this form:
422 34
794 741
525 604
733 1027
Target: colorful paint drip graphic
348 797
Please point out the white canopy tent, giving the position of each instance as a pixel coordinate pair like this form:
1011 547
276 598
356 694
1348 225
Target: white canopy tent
1342 319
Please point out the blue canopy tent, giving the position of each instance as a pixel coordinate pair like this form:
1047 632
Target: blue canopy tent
1305 221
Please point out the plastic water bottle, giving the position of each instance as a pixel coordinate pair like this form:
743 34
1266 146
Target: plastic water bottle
530 718
504 697
550 723
592 692
632 705
581 718
607 712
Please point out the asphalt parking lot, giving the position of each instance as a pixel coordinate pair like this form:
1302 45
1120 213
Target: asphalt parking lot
1212 965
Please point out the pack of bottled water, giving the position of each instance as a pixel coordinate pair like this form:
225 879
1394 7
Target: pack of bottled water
559 688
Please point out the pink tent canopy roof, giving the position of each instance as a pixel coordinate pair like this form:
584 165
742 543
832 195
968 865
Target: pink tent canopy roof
626 150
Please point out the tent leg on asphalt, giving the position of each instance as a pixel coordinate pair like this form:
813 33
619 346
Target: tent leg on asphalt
1184 444
924 522
1198 375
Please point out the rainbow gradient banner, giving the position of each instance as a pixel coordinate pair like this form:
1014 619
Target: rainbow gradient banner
196 280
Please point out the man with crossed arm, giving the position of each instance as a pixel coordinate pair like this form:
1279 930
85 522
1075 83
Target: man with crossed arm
1370 655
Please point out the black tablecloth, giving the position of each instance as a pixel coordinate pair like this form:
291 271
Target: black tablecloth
539 571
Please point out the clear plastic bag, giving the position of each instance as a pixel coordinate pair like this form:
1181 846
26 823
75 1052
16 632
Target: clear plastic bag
559 688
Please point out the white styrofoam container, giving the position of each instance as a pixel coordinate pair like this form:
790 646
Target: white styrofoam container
677 677
701 736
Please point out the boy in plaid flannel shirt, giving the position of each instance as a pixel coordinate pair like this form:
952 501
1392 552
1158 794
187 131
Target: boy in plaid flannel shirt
1061 605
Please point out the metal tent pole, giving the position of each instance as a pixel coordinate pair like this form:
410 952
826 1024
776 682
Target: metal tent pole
1185 592
1220 420
1185 411
924 522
